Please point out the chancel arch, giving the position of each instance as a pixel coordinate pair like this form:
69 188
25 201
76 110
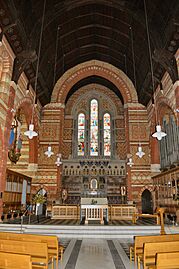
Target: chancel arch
98 68
91 107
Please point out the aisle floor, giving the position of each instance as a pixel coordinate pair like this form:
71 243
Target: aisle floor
97 254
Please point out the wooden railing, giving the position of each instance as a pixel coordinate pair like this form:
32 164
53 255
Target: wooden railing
114 212
121 212
65 212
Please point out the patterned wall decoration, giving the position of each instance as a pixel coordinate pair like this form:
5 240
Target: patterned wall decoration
67 134
138 132
49 131
119 123
121 150
120 134
68 123
66 150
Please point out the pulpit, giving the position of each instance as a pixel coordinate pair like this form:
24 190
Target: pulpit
94 209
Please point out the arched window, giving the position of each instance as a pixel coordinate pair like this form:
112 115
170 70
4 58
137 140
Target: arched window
81 134
107 134
94 128
93 132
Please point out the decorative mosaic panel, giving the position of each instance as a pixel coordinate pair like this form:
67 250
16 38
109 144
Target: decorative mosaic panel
67 134
49 131
119 123
68 123
120 134
138 132
66 150
121 150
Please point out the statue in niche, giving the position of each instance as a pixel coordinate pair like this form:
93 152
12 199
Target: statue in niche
94 184
64 195
15 139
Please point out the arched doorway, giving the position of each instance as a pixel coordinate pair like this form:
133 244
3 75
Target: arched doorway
147 207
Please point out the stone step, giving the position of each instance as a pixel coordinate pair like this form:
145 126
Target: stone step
86 231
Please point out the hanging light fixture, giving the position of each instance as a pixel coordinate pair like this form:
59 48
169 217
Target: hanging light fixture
158 134
130 162
139 153
30 132
59 160
49 151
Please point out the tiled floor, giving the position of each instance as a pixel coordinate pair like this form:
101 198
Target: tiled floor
96 254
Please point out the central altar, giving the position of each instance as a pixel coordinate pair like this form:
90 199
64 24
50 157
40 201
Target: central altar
93 209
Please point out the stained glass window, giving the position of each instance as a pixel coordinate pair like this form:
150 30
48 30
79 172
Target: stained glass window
81 134
107 134
94 128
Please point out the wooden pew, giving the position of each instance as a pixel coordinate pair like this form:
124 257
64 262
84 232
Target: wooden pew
166 261
52 242
15 261
139 241
37 251
151 249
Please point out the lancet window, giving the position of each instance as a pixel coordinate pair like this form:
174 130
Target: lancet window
94 135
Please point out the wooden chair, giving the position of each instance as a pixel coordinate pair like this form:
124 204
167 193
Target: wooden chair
15 261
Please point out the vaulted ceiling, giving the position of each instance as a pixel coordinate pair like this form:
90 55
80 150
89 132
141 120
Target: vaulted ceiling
92 29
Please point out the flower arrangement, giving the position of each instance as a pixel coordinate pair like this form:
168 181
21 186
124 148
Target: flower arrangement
39 199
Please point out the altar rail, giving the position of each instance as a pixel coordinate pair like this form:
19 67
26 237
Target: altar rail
121 212
66 212
115 212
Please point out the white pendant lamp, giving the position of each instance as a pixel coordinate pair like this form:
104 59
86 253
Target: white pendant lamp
30 133
130 162
58 161
49 152
140 153
159 134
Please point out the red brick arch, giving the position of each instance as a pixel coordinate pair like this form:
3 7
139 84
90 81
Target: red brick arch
149 188
165 106
26 105
91 68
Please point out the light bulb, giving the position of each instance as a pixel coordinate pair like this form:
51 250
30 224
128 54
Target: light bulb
31 133
159 134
